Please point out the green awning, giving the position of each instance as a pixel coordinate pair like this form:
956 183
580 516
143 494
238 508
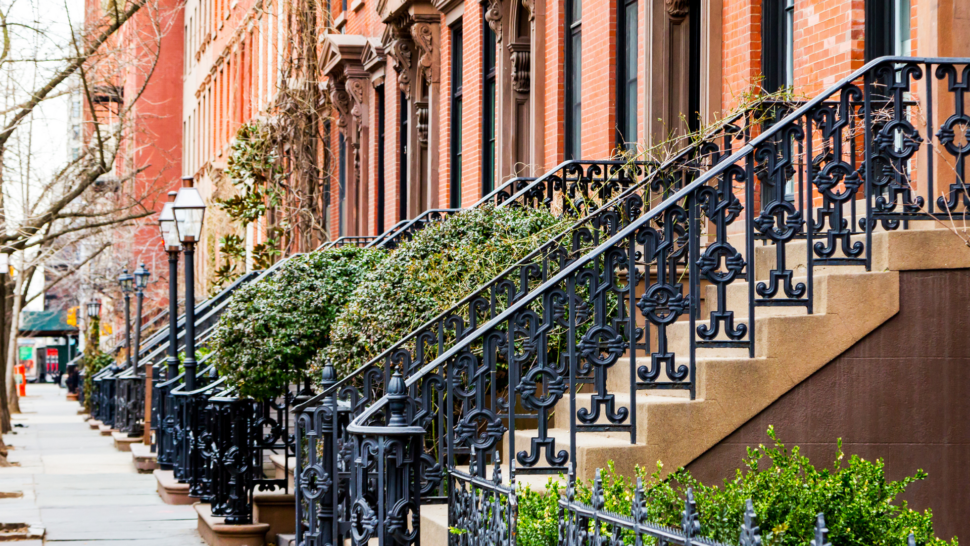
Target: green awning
45 324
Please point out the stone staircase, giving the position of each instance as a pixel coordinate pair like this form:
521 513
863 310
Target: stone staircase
732 388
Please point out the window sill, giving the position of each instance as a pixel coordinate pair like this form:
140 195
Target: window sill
340 21
355 7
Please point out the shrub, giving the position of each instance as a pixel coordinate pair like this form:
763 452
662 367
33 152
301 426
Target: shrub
271 328
859 503
429 274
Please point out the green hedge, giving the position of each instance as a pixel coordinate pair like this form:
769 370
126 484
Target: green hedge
860 505
429 274
272 328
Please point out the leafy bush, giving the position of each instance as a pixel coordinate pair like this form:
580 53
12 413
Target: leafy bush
94 361
442 264
271 328
788 492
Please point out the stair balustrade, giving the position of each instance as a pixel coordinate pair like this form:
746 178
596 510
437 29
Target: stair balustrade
605 195
558 348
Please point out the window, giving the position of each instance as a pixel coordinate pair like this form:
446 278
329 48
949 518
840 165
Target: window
777 30
342 181
888 28
778 61
76 109
456 71
327 172
626 77
574 78
379 91
488 113
402 167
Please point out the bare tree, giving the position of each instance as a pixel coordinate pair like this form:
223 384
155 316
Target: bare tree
81 206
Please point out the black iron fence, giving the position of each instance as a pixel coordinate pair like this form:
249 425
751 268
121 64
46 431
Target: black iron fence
601 300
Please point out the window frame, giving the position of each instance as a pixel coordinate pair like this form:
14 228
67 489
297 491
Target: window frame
381 149
489 110
627 49
573 72
455 152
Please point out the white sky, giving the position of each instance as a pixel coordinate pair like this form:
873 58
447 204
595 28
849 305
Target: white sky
40 30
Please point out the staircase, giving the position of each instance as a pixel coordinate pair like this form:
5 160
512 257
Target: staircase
663 321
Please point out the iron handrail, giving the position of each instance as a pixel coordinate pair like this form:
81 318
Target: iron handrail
359 424
679 156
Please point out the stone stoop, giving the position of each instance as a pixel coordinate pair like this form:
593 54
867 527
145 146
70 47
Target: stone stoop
123 441
106 430
434 524
278 510
731 386
216 533
279 464
94 424
143 457
170 490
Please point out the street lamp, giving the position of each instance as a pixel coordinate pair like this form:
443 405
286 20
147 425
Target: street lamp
127 282
170 236
141 281
189 210
94 308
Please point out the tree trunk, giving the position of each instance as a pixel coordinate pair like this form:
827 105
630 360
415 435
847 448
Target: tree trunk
12 398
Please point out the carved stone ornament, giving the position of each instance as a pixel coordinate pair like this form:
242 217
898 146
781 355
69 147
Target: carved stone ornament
421 110
493 14
356 88
423 39
677 10
530 6
399 49
341 101
521 60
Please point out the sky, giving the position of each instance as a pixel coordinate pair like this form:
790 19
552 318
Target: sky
40 29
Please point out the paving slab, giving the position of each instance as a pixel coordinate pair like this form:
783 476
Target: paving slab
78 487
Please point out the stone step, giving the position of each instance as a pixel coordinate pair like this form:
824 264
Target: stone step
276 509
283 468
730 388
123 441
144 458
170 490
215 532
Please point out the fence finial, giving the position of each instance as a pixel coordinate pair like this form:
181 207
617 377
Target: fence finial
821 532
598 498
750 532
690 522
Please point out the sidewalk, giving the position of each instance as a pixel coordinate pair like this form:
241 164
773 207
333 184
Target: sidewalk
78 487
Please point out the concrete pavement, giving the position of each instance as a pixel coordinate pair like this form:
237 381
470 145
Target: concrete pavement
77 487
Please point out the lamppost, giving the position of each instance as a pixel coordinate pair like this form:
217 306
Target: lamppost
141 281
170 235
189 210
127 282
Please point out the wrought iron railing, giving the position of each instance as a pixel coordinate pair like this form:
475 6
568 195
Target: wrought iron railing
607 190
501 363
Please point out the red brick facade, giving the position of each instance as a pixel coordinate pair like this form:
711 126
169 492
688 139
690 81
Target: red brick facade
828 42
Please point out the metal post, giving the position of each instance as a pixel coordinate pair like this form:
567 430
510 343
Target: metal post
189 316
128 327
173 319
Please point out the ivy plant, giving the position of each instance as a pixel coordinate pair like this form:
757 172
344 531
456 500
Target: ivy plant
271 328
